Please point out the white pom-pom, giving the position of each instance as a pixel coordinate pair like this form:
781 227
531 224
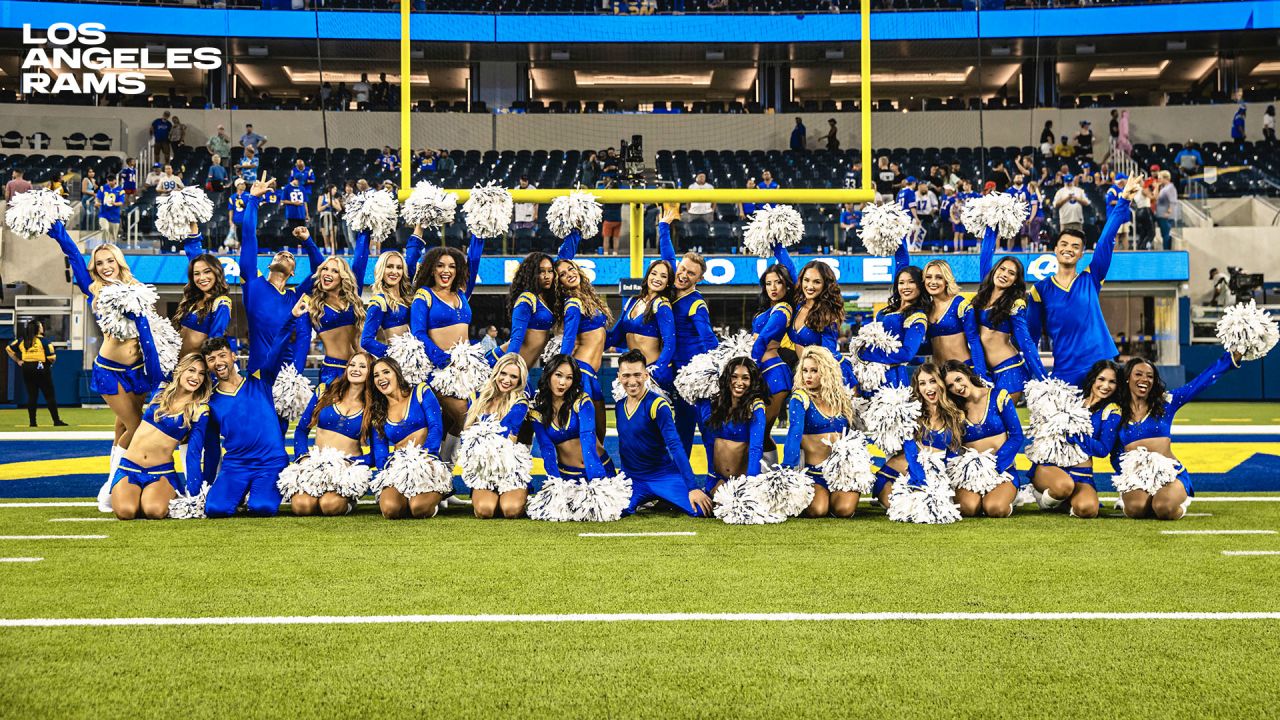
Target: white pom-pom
409 353
552 348
374 211
324 470
770 226
168 342
176 211
931 504
490 461
1248 330
575 211
787 491
739 501
429 206
1056 413
413 471
1141 469
189 507
871 375
488 211
699 379
891 418
976 472
115 302
33 212
465 374
848 467
1006 213
604 500
619 394
736 345
883 227
557 501
290 393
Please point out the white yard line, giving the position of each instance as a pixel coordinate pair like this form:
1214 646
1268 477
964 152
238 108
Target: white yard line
88 519
1217 532
1187 515
21 560
47 504
53 537
633 617
1244 553
639 534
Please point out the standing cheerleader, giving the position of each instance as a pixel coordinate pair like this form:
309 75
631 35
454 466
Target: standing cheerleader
647 323
387 312
733 424
146 480
327 478
205 308
819 414
405 430
939 429
991 426
1055 485
336 314
584 318
563 419
1150 480
693 332
770 324
905 319
504 486
1012 355
530 302
819 309
953 324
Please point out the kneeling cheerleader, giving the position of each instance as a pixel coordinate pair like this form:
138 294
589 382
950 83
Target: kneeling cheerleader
821 414
328 478
983 474
582 482
1068 429
146 483
496 467
405 429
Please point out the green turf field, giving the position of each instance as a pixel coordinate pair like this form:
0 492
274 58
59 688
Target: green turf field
363 565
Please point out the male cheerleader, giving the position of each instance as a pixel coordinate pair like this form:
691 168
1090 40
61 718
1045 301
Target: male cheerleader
694 335
649 447
1066 304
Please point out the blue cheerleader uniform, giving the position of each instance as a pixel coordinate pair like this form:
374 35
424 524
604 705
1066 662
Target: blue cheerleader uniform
959 318
1001 417
750 432
429 312
1012 374
195 436
933 440
1099 443
660 326
807 419
331 368
513 420
581 427
383 313
575 323
331 419
910 328
529 313
214 322
422 413
694 335
652 456
770 326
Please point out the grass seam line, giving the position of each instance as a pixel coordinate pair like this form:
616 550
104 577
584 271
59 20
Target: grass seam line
638 534
1217 532
22 559
53 537
1248 553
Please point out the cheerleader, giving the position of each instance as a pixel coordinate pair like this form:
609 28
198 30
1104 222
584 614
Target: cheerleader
770 325
530 302
819 308
502 399
440 316
733 424
563 419
205 308
693 332
583 318
337 414
336 314
991 425
647 323
405 422
820 411
1146 419
1013 356
119 373
939 428
146 480
905 318
387 312
952 323
1055 485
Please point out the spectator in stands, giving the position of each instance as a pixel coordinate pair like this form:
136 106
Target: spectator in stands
1144 208
109 202
927 208
129 179
1035 215
526 213
833 135
1269 124
160 128
305 176
589 170
251 139
168 182
219 143
1113 197
850 221
152 180
1084 139
1219 289
1070 203
388 161
746 210
1188 159
360 89
328 205
610 222
1063 149
767 183
1085 178
1166 208
798 134
71 184
445 163
906 199
88 206
17 184
956 176
700 211
1122 143
1104 178
1046 139
235 206
887 179
1113 130
428 160
295 205
1023 165
489 341
1001 176
382 91
1018 189
215 181
1237 124
249 166
177 133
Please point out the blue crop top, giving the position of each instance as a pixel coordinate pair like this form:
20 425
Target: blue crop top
1016 327
215 321
910 330
348 426
381 313
750 432
769 326
581 426
514 418
529 313
807 419
1001 417
423 412
195 436
662 326
575 323
429 312
960 318
1149 427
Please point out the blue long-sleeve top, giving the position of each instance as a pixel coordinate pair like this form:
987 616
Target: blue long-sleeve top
806 419
909 328
1015 326
79 270
694 335
581 426
650 445
805 336
1072 315
423 412
176 428
330 418
958 318
246 416
150 354
1001 417
661 326
911 448
512 420
383 313
1151 427
529 313
267 309
750 432
574 322
770 326
1106 428
428 312
215 321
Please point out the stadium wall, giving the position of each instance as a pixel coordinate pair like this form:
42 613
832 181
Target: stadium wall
704 132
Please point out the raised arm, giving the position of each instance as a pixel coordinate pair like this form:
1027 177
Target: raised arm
972 336
666 249
666 320
663 415
474 251
550 463
520 315
987 252
756 446
193 245
569 246
783 258
913 332
359 259
901 257
796 409
775 326
249 239
1022 339
591 464
373 312
1100 263
569 325
418 313
413 250
302 433
79 270
1199 383
316 259
1008 452
700 316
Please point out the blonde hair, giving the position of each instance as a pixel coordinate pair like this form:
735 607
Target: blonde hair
126 275
491 400
953 418
944 268
398 292
166 401
348 294
831 391
585 294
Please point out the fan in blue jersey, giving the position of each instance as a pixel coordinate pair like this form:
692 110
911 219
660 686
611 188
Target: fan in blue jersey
205 308
1067 305
820 411
304 176
649 447
939 430
991 425
733 423
584 319
647 323
386 314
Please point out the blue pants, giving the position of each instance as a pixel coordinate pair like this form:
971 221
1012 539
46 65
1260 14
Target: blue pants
590 382
816 475
331 369
129 471
777 376
240 477
667 487
1011 375
110 378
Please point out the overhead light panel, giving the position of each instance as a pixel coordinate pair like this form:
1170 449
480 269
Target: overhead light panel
715 55
1175 45
314 77
587 79
1266 68
834 54
904 78
1123 72
1086 49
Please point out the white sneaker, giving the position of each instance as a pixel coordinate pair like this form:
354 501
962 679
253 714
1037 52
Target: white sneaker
104 497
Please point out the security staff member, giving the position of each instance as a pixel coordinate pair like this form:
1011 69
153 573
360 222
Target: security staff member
36 357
